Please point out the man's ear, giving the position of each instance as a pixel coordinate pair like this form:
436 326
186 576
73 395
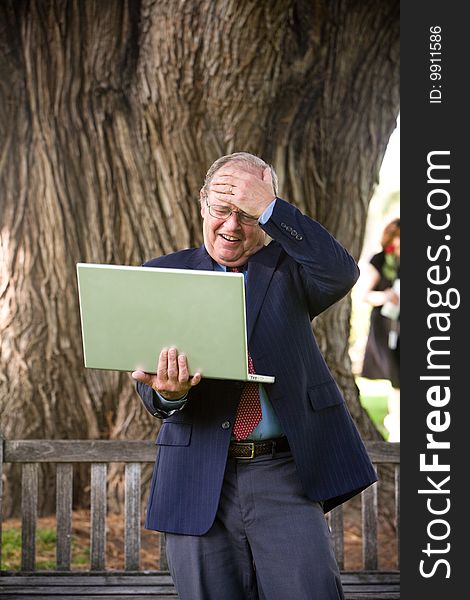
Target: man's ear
202 200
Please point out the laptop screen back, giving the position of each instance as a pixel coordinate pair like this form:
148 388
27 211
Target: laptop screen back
129 314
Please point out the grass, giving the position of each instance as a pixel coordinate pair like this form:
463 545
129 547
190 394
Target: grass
373 397
45 549
11 548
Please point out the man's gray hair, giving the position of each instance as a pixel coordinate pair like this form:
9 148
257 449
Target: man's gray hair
239 157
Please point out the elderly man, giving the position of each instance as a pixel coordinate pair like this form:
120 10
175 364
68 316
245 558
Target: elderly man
245 472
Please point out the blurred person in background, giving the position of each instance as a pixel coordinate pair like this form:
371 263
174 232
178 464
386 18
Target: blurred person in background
381 284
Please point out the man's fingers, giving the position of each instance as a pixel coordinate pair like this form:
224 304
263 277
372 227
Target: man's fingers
162 367
223 188
225 198
172 374
183 374
196 378
232 176
172 364
224 177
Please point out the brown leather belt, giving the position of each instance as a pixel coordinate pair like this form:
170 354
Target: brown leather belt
248 450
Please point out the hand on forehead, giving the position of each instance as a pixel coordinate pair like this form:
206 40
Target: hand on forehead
233 183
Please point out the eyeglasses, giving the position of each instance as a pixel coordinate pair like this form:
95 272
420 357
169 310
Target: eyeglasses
219 211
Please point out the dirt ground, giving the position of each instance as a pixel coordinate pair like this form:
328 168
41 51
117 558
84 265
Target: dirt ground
150 542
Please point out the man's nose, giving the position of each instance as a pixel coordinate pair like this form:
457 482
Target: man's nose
233 221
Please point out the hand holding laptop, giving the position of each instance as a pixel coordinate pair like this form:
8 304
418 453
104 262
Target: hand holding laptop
172 379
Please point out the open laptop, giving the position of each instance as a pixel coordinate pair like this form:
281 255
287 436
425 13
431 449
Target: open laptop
129 314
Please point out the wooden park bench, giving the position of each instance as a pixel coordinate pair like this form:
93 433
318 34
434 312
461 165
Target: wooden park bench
133 583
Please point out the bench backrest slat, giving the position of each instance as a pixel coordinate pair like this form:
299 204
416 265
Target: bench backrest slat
132 523
337 534
369 528
79 451
397 510
64 494
383 452
29 514
98 516
163 558
1 499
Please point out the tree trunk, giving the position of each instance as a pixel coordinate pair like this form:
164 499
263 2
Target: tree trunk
111 113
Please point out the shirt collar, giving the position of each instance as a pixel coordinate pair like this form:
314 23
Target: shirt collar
219 267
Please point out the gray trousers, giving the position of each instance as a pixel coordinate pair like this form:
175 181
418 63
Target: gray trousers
268 541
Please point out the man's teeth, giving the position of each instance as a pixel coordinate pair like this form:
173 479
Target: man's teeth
229 237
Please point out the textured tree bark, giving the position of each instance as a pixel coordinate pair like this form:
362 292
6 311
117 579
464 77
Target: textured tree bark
110 114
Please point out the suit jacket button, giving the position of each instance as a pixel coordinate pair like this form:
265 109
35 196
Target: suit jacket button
226 425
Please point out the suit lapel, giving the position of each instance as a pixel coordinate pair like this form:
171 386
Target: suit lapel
200 259
260 271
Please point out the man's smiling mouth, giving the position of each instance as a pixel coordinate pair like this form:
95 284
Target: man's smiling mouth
229 238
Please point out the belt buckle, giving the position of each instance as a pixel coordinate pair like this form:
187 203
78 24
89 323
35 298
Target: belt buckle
252 454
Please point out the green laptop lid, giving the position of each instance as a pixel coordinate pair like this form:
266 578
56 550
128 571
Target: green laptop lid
128 314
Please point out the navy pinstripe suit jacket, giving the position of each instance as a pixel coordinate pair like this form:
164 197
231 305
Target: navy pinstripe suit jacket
303 271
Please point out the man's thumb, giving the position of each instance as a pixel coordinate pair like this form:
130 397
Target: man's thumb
141 376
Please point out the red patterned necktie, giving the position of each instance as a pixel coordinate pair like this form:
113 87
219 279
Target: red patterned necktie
249 408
